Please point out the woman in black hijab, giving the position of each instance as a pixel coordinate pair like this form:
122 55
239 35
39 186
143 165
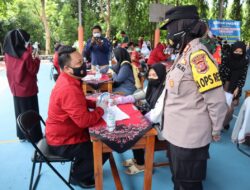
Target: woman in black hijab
122 72
16 42
156 83
233 72
153 105
22 69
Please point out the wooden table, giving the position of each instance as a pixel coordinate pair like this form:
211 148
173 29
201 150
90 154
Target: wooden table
147 142
106 86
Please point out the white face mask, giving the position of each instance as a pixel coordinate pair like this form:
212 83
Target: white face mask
137 49
168 50
97 35
173 56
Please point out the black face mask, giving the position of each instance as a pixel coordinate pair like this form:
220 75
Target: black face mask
175 39
79 71
153 82
178 32
237 56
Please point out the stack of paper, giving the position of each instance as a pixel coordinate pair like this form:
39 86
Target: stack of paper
119 114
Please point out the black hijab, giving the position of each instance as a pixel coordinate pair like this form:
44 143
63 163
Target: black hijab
236 64
182 31
14 42
121 55
154 92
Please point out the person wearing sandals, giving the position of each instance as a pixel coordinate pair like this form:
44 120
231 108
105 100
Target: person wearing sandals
152 100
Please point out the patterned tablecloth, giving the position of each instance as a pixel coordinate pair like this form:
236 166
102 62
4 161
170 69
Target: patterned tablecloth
126 133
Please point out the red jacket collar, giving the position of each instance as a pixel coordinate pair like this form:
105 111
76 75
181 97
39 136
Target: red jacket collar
71 79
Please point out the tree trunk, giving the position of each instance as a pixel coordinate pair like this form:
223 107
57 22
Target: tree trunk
46 27
108 19
221 9
106 16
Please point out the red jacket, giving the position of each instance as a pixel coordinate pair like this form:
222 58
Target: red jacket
157 55
68 115
56 62
21 74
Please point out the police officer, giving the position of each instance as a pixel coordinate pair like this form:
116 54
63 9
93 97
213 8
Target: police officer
195 103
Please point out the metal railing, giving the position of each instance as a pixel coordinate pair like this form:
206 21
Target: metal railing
42 57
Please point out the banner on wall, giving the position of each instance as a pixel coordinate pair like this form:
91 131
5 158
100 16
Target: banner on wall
227 29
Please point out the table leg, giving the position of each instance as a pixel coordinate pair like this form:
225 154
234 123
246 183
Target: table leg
84 88
97 151
149 159
110 87
115 173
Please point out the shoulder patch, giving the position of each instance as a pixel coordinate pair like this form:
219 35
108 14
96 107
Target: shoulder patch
205 71
200 63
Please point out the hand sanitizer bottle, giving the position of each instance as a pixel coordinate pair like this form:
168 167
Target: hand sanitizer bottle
98 74
110 116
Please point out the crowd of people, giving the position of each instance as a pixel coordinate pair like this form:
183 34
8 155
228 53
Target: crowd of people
185 103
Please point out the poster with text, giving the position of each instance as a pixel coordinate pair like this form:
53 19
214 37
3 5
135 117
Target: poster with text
227 29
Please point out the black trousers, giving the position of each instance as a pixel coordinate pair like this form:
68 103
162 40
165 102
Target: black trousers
23 104
188 166
139 156
83 166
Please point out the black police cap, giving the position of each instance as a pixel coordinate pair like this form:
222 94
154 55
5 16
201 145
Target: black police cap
180 12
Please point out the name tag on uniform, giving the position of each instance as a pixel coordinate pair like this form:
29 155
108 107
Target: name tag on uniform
204 70
171 83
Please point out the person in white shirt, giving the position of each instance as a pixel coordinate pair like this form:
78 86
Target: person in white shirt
152 101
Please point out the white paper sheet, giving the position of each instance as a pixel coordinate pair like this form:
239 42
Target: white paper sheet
88 77
119 114
229 98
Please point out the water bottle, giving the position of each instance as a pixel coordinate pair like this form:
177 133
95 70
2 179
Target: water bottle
98 74
110 116
110 64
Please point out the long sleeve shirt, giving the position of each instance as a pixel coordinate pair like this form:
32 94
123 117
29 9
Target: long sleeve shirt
225 74
124 80
99 54
69 117
157 55
195 105
22 74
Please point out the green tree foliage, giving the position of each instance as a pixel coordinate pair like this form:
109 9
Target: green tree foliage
16 17
235 13
215 13
132 16
246 22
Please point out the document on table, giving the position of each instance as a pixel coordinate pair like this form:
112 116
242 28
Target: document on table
89 77
229 98
119 114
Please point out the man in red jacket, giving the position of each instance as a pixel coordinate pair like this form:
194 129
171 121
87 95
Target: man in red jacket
69 118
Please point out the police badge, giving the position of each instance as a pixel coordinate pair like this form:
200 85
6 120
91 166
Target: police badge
200 63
